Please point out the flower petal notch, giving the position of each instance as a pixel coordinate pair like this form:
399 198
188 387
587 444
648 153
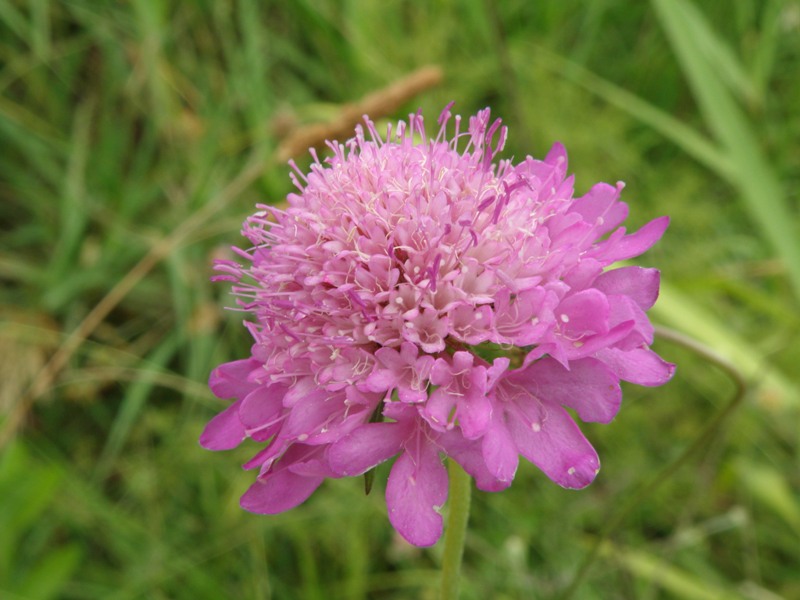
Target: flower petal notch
420 299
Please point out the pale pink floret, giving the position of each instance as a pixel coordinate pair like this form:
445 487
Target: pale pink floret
419 298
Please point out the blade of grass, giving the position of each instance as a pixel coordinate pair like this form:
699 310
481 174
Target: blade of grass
765 53
685 137
774 390
73 212
251 170
753 176
132 404
772 489
659 572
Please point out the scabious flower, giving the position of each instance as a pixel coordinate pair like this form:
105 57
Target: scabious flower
417 300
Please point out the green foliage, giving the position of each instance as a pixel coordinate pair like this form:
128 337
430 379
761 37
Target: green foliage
136 136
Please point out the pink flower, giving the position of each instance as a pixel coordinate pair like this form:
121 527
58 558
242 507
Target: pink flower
418 300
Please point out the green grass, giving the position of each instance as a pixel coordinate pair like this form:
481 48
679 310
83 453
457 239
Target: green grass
135 137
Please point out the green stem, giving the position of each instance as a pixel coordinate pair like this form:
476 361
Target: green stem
456 533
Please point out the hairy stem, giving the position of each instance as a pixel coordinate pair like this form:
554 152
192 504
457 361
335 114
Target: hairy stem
456 533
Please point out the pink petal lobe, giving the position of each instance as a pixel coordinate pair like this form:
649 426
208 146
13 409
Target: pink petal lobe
584 313
279 492
468 454
636 243
231 380
261 406
557 447
589 387
600 206
474 414
641 366
225 431
638 283
366 447
499 451
438 409
415 492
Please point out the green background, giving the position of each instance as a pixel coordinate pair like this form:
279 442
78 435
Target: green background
136 136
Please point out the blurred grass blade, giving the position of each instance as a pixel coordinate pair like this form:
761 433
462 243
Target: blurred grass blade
48 578
689 140
753 176
14 21
774 389
771 488
720 56
661 573
73 212
134 402
764 56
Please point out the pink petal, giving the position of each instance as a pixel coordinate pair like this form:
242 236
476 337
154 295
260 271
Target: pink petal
499 451
314 413
380 380
300 389
407 356
556 446
261 407
623 310
589 346
366 447
641 366
474 413
638 283
438 410
391 358
468 454
583 274
634 244
314 467
415 492
600 206
225 431
441 372
557 157
583 313
232 380
589 387
279 492
266 456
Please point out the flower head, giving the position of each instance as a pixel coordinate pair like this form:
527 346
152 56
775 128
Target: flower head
418 299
